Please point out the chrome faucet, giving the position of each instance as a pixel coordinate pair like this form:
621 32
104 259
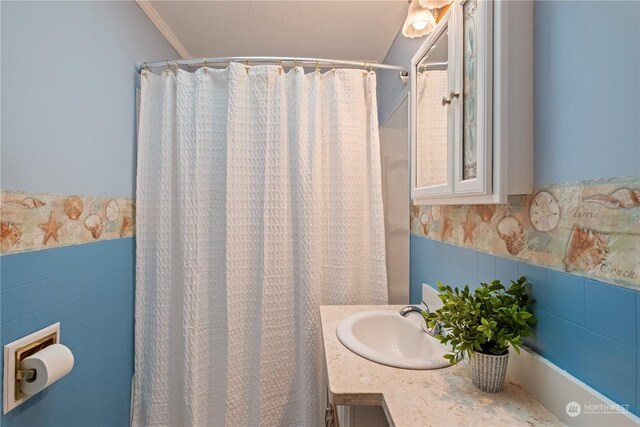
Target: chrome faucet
405 311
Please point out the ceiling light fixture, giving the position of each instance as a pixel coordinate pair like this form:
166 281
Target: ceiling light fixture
423 16
419 21
434 4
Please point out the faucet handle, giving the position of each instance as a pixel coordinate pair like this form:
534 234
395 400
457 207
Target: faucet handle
436 330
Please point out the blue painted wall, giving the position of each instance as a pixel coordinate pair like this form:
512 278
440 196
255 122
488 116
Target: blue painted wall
68 98
68 127
579 133
391 90
581 53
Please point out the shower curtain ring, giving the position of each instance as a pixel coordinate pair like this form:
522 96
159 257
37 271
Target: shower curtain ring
317 66
205 66
333 68
246 65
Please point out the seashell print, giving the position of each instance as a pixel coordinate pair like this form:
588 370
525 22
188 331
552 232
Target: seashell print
9 235
486 212
93 223
502 211
415 210
27 203
73 207
622 198
544 212
112 210
510 230
127 227
586 250
412 220
447 229
435 213
425 222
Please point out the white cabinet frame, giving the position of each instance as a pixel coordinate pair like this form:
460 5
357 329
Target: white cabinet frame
445 190
504 96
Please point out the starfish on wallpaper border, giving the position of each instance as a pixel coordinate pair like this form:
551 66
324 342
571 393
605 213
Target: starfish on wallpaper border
469 227
50 228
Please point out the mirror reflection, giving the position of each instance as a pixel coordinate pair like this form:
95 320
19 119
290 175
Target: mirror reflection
431 115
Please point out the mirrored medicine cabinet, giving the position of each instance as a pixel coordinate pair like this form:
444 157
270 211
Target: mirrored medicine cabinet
472 105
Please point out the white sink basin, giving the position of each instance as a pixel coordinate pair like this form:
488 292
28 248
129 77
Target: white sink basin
385 337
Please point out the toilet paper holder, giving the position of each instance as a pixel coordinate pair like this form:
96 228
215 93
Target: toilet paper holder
14 354
26 351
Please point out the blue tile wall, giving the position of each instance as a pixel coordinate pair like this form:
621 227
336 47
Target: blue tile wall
638 323
637 411
506 270
566 296
486 268
565 344
469 267
586 327
610 306
612 368
89 289
419 270
538 340
537 276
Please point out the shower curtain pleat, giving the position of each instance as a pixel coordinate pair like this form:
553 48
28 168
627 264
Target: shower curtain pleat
258 200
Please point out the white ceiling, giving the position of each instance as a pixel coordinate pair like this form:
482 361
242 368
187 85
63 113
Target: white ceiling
347 29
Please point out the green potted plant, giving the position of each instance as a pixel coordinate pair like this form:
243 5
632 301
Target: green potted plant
482 325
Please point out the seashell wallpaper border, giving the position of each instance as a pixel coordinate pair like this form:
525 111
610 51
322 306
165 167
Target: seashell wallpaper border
587 228
32 222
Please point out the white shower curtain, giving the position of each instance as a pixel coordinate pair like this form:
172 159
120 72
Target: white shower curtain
258 200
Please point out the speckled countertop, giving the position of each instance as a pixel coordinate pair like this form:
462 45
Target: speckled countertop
441 397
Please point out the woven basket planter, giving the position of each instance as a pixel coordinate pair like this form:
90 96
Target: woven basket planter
489 371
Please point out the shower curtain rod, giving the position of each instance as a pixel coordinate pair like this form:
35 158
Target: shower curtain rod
315 62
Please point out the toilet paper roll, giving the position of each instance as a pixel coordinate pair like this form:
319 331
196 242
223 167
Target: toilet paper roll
51 364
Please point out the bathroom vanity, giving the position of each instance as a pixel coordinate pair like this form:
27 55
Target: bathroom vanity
420 397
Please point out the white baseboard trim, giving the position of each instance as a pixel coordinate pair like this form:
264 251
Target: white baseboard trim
556 389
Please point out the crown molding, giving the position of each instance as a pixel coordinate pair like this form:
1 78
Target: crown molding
162 26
